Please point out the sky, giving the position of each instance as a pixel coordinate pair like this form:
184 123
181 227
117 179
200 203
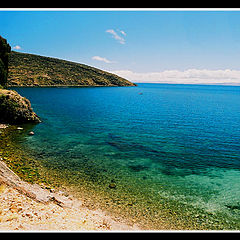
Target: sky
166 46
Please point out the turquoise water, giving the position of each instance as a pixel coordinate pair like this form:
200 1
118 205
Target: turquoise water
180 143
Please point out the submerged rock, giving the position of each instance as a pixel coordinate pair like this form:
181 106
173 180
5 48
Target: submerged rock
16 109
112 185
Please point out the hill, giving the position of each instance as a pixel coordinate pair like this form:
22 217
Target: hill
34 70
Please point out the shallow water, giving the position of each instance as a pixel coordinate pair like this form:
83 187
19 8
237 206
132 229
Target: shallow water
165 147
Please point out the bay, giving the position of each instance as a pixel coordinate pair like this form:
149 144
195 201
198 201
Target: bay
159 142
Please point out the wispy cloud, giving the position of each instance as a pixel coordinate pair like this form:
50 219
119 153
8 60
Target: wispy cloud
101 59
117 36
17 47
190 76
122 32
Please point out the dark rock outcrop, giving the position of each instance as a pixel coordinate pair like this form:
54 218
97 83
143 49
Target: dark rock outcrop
15 109
5 49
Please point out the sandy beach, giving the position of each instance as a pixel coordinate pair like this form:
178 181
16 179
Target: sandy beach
22 209
31 207
21 213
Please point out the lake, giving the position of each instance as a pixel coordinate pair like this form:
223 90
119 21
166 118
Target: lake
160 154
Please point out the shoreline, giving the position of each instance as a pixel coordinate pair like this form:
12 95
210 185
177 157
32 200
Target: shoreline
65 86
33 207
33 198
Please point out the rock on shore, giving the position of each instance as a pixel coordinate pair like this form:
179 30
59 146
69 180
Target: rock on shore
15 109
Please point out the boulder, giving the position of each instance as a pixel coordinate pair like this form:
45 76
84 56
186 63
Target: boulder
15 109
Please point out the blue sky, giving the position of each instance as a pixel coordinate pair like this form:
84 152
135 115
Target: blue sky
158 45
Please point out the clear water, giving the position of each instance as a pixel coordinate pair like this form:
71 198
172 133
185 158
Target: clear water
180 143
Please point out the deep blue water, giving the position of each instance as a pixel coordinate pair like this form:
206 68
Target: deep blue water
183 139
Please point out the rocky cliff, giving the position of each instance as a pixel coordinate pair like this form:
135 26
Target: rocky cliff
15 109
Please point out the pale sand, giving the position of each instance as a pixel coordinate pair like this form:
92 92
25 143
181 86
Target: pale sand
2 126
30 207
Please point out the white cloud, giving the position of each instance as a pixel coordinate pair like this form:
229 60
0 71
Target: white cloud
102 59
120 39
17 47
190 76
123 33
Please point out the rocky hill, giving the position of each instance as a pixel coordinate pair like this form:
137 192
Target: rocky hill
34 70
13 107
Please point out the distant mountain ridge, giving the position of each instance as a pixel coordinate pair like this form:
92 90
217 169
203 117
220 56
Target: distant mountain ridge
39 71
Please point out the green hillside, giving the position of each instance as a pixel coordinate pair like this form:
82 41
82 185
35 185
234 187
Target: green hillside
34 70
